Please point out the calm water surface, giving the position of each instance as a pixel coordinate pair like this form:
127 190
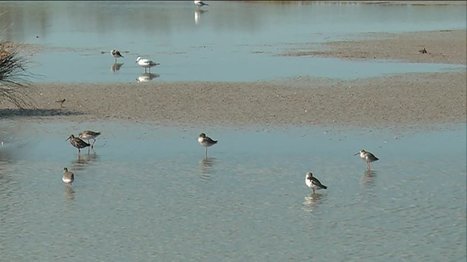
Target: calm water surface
146 193
227 41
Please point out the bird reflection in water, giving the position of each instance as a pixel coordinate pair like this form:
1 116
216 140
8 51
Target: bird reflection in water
369 177
198 13
84 160
312 201
116 67
69 192
146 77
206 166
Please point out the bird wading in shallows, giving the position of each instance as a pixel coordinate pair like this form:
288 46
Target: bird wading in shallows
145 63
367 157
116 54
313 183
89 135
68 176
206 142
199 3
77 142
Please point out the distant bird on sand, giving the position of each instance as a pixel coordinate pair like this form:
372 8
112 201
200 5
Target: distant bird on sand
77 142
61 102
68 176
116 54
313 183
206 142
367 157
145 63
89 135
199 3
423 51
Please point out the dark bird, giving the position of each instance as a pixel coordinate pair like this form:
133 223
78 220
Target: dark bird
206 142
77 142
423 51
367 157
116 54
61 102
68 176
89 135
313 183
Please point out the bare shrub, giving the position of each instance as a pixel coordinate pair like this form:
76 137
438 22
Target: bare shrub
13 84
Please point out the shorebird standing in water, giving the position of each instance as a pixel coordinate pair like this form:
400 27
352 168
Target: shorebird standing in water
77 142
313 183
89 135
68 176
116 54
199 3
145 63
367 157
206 142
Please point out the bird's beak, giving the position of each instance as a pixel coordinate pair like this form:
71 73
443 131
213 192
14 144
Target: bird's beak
356 153
67 139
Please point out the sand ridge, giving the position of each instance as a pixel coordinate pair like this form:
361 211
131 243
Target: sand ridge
396 100
385 101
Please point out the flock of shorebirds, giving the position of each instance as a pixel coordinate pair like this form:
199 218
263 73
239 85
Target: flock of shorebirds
310 180
78 142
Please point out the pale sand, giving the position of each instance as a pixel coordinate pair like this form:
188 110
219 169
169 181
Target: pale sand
388 101
445 46
400 100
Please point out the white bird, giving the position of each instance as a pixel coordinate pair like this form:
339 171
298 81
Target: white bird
68 176
313 183
145 63
116 54
199 3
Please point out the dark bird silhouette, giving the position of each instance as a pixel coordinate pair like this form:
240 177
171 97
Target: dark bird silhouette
61 102
77 142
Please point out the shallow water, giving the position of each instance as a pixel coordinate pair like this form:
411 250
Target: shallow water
227 41
146 193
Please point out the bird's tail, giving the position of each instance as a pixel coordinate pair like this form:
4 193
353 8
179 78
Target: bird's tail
324 187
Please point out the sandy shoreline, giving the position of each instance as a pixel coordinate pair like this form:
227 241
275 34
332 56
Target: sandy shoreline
399 100
446 46
388 101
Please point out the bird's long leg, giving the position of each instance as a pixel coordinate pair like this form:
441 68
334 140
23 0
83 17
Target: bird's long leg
206 153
